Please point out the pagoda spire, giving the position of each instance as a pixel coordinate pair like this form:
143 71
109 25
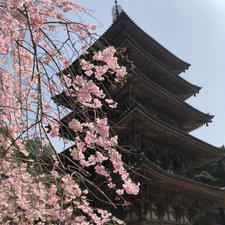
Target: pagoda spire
116 10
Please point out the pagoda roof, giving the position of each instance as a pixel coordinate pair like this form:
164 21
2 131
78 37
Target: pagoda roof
157 71
182 184
154 95
167 177
152 56
155 129
160 131
158 51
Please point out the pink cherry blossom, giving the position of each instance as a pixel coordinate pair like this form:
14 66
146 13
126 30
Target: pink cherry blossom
47 106
35 67
75 125
131 188
101 170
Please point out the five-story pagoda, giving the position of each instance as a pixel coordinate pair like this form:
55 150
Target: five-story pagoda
153 122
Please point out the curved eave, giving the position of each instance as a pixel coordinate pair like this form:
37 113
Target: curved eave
206 118
184 184
178 64
167 131
147 57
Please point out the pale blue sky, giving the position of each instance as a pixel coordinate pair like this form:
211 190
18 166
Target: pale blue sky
194 30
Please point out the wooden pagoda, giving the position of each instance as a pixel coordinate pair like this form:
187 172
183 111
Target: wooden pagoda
154 120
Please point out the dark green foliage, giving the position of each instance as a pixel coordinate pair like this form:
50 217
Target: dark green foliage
33 146
41 157
212 174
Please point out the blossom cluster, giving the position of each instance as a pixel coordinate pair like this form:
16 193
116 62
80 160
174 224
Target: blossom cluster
30 57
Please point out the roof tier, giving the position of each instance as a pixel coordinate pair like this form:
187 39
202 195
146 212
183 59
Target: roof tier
162 188
159 73
151 128
165 193
181 183
167 106
124 25
191 152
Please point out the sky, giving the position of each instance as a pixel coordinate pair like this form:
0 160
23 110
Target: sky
194 30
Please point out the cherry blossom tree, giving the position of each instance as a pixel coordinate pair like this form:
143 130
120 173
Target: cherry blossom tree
38 43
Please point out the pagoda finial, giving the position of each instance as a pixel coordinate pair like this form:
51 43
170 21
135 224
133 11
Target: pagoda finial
116 10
